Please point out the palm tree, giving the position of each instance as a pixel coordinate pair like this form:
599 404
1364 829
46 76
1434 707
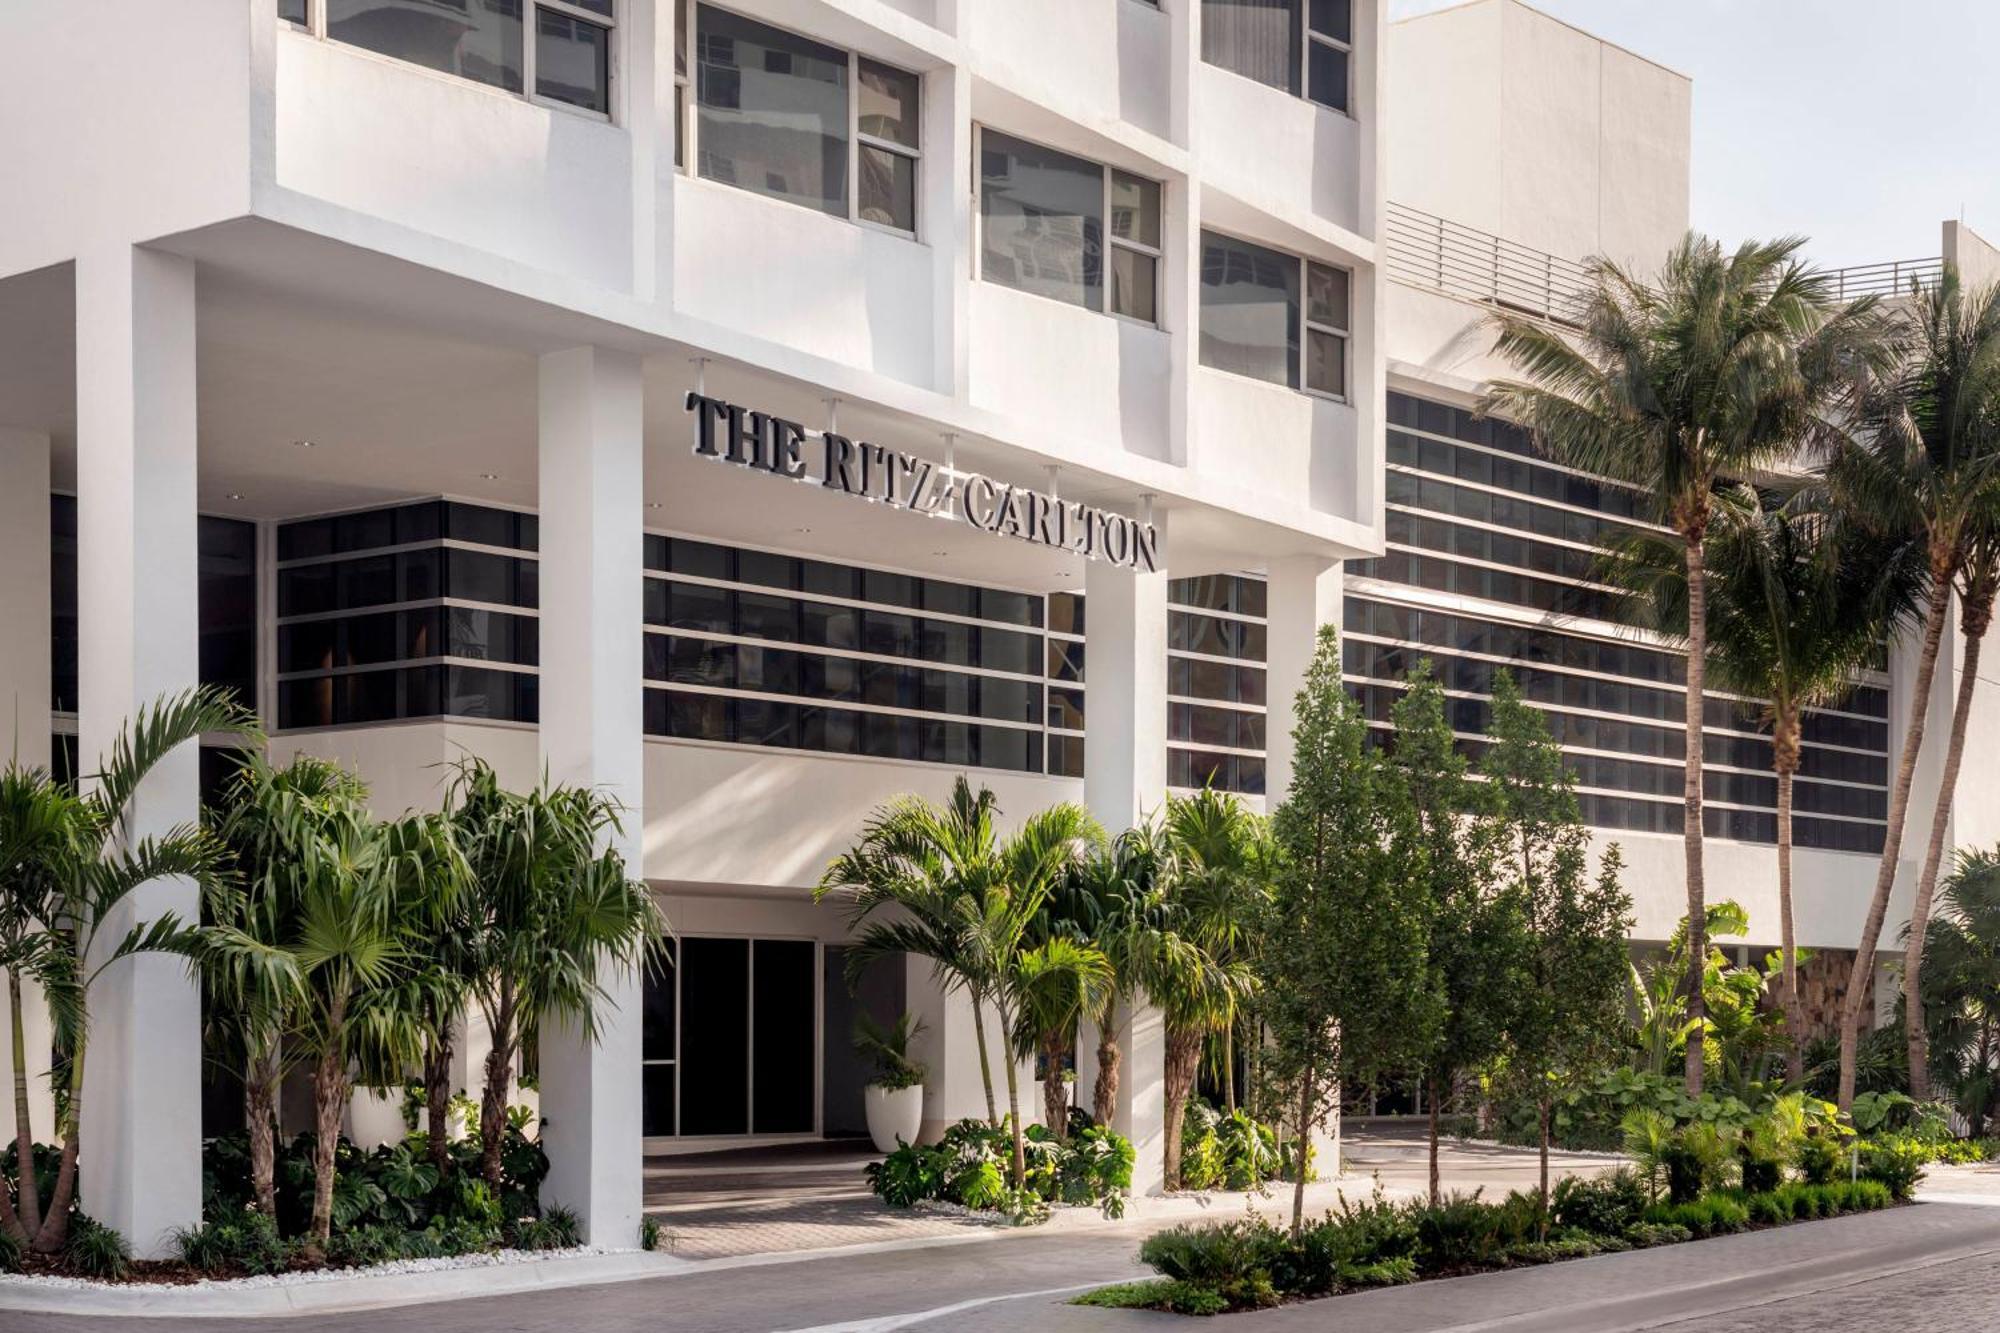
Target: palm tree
917 863
1923 463
1053 982
71 863
1722 367
1112 899
1962 984
250 974
1801 597
552 913
1214 892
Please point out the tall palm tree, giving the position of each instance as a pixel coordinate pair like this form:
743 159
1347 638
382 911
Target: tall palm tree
1725 364
73 863
915 865
1800 598
1055 980
1215 891
552 913
1923 462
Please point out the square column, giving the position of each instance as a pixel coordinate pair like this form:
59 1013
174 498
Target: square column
1124 781
136 603
1303 593
592 733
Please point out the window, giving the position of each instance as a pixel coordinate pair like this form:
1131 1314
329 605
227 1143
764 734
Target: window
1253 320
487 41
1296 45
1041 222
776 113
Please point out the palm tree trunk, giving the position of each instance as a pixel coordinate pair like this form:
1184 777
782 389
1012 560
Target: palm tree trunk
260 1100
1183 1057
28 1220
1975 617
1229 1065
493 1098
54 1234
1020 1173
985 1062
437 1095
1104 1098
1785 760
1055 1091
1892 842
1691 830
329 1100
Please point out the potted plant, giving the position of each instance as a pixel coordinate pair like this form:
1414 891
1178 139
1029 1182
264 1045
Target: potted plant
894 1098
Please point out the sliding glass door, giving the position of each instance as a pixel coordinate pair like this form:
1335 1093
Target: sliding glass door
732 1037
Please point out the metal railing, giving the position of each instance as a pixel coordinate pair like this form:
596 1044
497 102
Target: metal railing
1424 250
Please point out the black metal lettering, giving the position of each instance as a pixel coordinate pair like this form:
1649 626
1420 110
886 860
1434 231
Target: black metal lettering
839 458
707 412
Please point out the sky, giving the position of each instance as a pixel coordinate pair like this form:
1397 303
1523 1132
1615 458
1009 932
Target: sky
1862 124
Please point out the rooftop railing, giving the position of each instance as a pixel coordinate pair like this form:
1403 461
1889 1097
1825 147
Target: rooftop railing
1424 250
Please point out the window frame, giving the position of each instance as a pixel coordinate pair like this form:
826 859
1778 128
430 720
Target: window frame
315 26
687 111
1305 37
1107 172
1306 323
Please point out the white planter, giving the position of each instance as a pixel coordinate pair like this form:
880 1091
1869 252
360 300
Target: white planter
893 1115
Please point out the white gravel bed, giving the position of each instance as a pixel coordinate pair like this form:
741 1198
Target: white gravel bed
394 1268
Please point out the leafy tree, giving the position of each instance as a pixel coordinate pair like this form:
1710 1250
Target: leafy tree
1801 597
1568 1007
1924 463
1349 993
1723 365
1475 930
69 863
552 913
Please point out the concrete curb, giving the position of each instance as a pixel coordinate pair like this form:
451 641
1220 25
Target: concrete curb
335 1294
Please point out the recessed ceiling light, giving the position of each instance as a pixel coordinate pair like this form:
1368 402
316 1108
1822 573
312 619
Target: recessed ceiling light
653 504
489 476
801 530
233 495
940 553
302 444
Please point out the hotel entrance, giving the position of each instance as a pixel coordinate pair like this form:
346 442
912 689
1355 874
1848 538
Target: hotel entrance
751 1038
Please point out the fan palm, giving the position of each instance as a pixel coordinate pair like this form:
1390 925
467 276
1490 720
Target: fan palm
1923 464
72 863
552 913
1800 598
1727 363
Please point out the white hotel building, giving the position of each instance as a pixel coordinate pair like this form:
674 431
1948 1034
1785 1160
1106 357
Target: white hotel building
346 356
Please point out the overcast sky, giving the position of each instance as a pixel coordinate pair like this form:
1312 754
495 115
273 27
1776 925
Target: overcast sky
1862 123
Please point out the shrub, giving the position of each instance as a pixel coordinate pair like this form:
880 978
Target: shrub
1201 1147
1549 1251
95 1250
1457 1233
244 1241
1768 1209
1868 1195
1605 1206
650 1233
1646 1234
1897 1161
1387 1273
905 1176
969 1164
1715 1215
10 1251
1760 1174
1160 1293
1818 1158
556 1229
1231 1259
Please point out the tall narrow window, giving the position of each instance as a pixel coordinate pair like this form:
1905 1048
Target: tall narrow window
886 163
1327 300
1042 228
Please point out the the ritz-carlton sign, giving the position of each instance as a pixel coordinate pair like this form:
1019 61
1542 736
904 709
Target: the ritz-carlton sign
729 433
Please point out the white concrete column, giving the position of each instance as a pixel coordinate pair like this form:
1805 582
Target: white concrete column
25 695
1303 593
1124 781
944 221
135 389
592 558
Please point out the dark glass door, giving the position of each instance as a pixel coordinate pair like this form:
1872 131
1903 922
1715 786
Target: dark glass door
715 1046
